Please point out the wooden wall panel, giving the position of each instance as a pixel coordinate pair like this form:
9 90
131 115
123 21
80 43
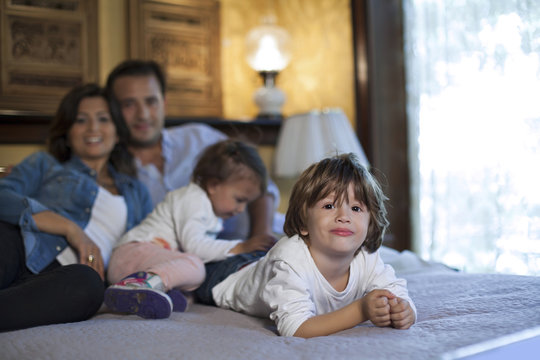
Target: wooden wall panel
183 37
47 48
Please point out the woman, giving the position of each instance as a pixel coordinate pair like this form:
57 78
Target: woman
62 212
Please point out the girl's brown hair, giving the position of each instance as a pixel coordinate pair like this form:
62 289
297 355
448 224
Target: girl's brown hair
225 159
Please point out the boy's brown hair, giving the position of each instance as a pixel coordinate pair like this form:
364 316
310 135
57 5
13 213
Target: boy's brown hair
226 158
333 175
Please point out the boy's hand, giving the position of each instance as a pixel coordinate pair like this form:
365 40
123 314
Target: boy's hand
401 313
376 307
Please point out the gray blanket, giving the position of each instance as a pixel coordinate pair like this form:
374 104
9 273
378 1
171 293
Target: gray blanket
454 310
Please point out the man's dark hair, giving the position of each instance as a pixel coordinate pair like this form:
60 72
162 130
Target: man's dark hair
136 67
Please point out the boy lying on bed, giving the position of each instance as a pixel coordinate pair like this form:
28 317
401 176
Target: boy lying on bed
326 276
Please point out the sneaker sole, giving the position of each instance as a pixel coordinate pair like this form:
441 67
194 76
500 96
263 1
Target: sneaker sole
144 302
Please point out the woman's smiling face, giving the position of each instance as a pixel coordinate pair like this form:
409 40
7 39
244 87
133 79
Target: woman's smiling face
93 134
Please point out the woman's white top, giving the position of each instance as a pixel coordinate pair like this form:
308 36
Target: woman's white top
106 226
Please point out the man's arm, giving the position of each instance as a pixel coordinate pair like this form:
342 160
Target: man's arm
261 213
261 236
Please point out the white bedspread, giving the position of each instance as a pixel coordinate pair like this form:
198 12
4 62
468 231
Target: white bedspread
454 310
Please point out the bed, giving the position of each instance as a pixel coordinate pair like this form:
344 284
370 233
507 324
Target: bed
456 312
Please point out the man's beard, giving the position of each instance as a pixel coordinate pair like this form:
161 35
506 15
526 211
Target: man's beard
144 143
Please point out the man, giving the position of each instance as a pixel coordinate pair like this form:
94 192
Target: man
165 158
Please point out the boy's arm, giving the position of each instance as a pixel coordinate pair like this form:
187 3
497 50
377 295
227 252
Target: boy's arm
374 306
330 323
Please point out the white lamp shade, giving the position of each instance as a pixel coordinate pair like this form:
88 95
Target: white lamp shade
308 138
339 135
268 48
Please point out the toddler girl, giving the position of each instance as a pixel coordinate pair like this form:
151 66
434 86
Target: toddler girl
167 251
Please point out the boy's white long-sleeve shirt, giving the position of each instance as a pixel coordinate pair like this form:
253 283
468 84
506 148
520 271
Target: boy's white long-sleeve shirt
287 286
186 221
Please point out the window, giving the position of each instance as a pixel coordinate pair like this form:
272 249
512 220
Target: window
473 84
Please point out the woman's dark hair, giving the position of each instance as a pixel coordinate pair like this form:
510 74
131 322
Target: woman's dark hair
66 114
135 67
333 175
225 159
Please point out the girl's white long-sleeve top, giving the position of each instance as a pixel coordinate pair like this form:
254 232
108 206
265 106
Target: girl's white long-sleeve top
185 221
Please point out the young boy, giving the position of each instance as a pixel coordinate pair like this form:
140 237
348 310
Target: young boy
327 275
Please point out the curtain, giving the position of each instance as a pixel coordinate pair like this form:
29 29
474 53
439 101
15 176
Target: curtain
473 87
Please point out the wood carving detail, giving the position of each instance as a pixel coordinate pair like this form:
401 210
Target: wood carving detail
177 54
70 5
47 47
45 42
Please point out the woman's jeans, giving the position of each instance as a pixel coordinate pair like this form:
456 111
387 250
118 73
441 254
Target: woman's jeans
58 294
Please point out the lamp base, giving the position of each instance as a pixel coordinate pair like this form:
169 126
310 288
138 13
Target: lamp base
269 100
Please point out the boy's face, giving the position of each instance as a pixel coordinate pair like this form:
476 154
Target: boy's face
231 197
336 231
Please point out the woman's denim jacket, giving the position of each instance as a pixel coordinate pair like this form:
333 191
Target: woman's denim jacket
41 183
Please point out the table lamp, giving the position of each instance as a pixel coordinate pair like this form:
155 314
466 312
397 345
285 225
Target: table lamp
268 48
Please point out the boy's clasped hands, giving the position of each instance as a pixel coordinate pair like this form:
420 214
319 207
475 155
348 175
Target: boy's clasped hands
383 308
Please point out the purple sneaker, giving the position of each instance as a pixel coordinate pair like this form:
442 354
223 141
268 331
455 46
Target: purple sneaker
134 295
179 301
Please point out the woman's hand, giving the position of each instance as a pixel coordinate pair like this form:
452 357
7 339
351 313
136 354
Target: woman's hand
89 254
5 170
